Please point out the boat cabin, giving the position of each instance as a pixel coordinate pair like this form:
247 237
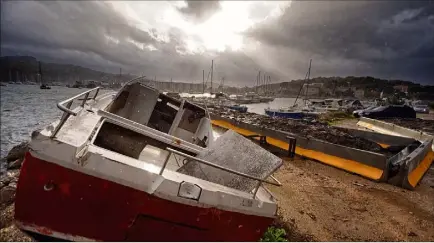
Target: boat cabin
146 106
143 123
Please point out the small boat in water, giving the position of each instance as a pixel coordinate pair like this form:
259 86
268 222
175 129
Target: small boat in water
44 86
139 165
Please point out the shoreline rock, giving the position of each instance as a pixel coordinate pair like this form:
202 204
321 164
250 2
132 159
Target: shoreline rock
9 180
18 152
8 186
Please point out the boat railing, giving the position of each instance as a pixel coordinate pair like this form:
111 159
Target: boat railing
65 106
259 180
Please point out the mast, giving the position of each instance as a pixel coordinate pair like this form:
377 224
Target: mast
301 88
259 81
268 84
256 85
308 76
212 66
264 83
203 81
222 83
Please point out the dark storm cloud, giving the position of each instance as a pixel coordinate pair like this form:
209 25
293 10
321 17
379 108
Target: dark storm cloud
200 10
379 37
383 39
81 27
76 33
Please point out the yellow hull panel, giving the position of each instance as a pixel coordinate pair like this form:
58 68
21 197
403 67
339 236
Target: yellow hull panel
341 163
415 175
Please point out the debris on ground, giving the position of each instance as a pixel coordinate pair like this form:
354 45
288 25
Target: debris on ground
305 128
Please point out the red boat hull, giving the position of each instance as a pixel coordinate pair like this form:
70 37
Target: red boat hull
82 205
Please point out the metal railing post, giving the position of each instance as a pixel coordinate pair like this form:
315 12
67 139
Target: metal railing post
96 94
65 117
67 108
85 99
165 163
257 189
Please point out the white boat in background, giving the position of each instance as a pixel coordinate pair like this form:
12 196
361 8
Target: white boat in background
138 165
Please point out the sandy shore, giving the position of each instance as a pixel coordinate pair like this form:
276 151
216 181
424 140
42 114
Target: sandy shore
323 203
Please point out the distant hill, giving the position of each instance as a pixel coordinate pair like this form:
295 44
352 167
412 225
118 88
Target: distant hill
346 86
25 68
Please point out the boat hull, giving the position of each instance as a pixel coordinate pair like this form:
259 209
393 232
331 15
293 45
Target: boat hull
293 115
61 202
241 109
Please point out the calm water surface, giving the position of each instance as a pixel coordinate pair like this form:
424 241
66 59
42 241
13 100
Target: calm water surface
25 108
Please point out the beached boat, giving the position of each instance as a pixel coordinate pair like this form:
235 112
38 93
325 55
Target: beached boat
240 108
293 112
285 112
138 165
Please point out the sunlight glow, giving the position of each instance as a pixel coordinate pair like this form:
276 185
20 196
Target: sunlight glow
221 31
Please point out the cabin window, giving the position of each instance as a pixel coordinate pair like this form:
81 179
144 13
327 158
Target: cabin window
191 118
164 113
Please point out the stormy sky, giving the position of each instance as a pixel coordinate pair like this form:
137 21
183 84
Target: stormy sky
385 39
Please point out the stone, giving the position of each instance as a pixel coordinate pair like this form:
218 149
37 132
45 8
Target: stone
312 216
18 152
5 180
15 165
411 233
7 195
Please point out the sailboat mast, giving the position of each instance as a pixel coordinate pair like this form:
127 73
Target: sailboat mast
263 83
301 88
259 81
308 76
212 67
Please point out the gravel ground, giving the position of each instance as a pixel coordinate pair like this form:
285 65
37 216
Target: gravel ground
322 203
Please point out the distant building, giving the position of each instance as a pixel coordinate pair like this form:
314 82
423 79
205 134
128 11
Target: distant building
402 88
